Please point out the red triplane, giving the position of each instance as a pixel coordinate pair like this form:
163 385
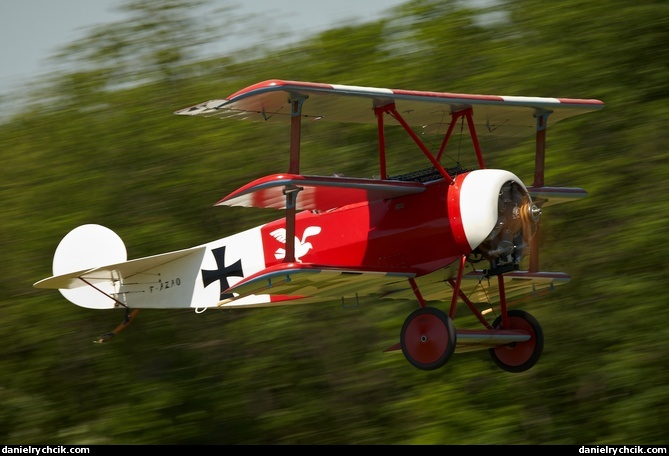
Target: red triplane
441 234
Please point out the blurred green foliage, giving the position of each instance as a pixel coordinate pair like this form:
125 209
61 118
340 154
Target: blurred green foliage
99 144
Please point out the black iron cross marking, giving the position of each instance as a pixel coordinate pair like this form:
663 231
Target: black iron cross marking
223 272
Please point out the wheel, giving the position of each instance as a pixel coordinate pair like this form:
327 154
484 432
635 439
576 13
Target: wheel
519 356
428 338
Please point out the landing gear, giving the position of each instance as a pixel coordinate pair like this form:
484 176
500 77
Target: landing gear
519 356
428 338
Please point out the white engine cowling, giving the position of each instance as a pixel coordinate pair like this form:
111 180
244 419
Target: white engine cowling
498 216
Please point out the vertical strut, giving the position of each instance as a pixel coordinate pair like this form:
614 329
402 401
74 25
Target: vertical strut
502 300
540 149
295 134
539 165
475 138
378 111
291 192
291 210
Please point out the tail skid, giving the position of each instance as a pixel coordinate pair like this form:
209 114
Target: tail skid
129 318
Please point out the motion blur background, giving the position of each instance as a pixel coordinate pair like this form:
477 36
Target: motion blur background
94 140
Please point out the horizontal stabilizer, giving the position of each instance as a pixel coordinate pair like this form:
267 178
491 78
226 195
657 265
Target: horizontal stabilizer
138 283
111 272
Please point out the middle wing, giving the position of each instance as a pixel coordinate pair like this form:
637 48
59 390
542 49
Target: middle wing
317 192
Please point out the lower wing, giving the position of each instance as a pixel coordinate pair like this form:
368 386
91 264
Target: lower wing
483 291
303 283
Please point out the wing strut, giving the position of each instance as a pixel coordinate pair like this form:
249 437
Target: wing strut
390 109
539 164
502 301
295 134
291 191
467 114
540 157
475 139
378 112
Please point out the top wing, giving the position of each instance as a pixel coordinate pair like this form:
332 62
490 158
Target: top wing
493 114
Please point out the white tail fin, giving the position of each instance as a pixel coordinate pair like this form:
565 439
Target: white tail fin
84 248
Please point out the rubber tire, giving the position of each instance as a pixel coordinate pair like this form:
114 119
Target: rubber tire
519 356
428 338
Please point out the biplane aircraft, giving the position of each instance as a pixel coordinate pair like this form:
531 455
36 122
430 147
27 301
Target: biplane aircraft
441 234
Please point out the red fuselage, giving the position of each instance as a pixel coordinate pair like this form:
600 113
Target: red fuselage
405 234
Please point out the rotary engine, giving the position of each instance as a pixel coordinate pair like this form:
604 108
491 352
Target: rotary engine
517 220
